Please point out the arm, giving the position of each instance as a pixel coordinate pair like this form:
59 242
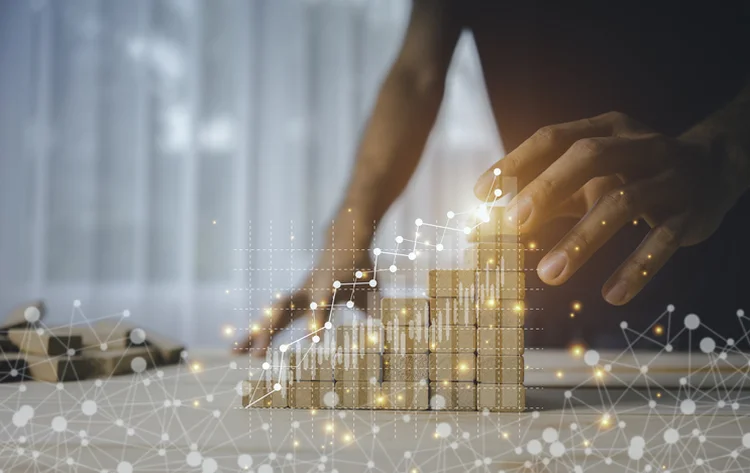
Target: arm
609 170
392 145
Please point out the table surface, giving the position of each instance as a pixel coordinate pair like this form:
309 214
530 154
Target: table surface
680 413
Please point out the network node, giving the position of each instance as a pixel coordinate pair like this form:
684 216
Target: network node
498 192
439 247
496 171
373 282
336 284
451 214
376 251
399 239
392 268
418 222
328 325
316 339
358 274
349 304
266 365
467 230
283 348
313 305
412 256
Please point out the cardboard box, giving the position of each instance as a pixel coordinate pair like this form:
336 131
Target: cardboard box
452 339
410 339
452 366
500 341
405 311
449 311
46 342
500 369
501 313
359 395
358 367
446 395
497 285
456 283
311 364
313 395
501 397
408 368
261 393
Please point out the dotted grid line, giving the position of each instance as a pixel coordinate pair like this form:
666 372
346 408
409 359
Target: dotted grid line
249 315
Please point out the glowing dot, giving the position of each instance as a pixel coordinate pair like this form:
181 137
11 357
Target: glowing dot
645 273
283 348
467 230
399 239
658 330
572 315
373 282
559 374
439 247
604 222
498 192
277 387
313 305
496 171
635 222
532 245
670 308
266 366
31 314
376 251
349 304
328 325
214 222
577 306
649 256
418 222
412 256
316 339
577 248
450 214
576 350
591 357
358 274
392 268
337 284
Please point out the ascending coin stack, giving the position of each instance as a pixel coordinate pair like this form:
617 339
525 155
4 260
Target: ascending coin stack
461 349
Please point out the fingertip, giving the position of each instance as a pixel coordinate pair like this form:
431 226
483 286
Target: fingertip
483 185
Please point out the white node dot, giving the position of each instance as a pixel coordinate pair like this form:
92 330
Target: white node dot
443 430
399 239
277 387
209 466
70 352
336 284
138 364
103 347
124 467
652 404
498 192
568 394
283 348
376 251
623 325
59 424
467 230
76 303
687 406
137 336
88 407
358 274
707 345
557 449
549 434
439 247
608 368
450 214
418 222
496 171
31 314
328 325
406 418
316 339
393 268
375 429
437 402
740 313
373 282
644 369
126 313
412 256
534 447
730 342
266 365
746 440
193 459
635 453
668 348
683 381
331 399
591 357
692 321
637 441
349 304
313 305
670 308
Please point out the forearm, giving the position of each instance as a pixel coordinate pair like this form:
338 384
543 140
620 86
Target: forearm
393 142
727 133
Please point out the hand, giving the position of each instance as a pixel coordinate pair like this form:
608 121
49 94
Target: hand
342 258
609 171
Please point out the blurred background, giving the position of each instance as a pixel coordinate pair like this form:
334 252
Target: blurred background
152 151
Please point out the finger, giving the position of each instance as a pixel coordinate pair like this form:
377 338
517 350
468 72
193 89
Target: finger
544 147
609 214
641 266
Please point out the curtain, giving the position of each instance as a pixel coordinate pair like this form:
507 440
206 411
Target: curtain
157 155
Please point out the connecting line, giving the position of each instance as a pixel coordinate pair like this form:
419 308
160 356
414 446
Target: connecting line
308 335
490 191
303 357
259 399
420 242
392 253
416 235
442 236
396 254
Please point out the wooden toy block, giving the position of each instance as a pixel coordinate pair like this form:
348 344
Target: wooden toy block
114 362
449 311
459 283
360 337
120 334
501 397
407 368
49 369
313 395
359 367
12 367
501 227
500 341
500 369
500 313
502 256
446 395
16 318
263 394
405 395
405 311
497 285
409 339
453 339
359 395
311 365
452 366
46 342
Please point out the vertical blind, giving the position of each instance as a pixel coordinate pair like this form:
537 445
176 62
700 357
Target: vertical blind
146 145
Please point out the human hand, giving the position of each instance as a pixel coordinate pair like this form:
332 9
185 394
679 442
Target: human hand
608 171
339 261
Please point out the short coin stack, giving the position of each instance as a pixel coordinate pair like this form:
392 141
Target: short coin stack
461 349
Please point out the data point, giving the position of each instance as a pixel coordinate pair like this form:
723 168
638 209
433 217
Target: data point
399 239
498 192
392 268
349 304
266 365
496 171
418 222
376 251
373 282
412 256
467 230
328 325
316 339
450 214
283 348
336 284
277 387
439 247
358 274
313 305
